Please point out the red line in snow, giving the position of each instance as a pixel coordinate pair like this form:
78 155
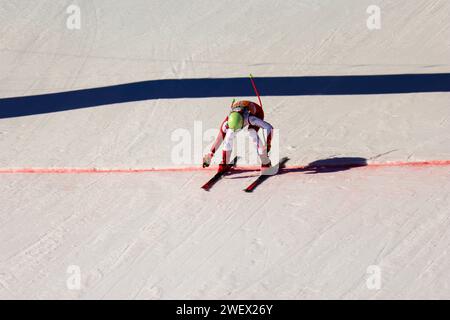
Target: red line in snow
191 169
429 163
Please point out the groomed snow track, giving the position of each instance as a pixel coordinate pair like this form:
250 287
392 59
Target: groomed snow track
133 224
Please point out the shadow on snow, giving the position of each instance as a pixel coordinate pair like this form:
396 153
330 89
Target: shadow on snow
328 165
223 87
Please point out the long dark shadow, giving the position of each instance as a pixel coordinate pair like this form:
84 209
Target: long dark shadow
223 87
329 165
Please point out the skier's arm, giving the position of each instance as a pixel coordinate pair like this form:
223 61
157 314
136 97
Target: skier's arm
220 137
218 142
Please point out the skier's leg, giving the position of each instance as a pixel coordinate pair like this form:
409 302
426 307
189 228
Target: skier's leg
226 151
261 149
227 147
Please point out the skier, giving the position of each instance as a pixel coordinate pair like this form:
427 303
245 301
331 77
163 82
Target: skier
243 114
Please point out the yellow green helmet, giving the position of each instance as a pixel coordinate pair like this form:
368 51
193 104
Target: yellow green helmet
235 121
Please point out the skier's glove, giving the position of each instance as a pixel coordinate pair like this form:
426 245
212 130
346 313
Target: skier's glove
207 159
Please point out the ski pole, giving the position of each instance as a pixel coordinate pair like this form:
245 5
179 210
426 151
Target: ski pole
256 90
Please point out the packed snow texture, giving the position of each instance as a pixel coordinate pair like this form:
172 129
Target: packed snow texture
158 235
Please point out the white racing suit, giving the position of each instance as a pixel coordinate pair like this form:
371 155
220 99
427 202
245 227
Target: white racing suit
253 124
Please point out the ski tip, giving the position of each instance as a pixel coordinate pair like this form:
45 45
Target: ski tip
283 162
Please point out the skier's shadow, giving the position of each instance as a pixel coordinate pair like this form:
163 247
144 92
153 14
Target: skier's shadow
328 165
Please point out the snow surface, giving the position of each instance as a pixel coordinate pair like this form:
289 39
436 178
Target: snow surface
157 235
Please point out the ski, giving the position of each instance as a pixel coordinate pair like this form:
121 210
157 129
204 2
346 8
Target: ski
264 177
208 185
